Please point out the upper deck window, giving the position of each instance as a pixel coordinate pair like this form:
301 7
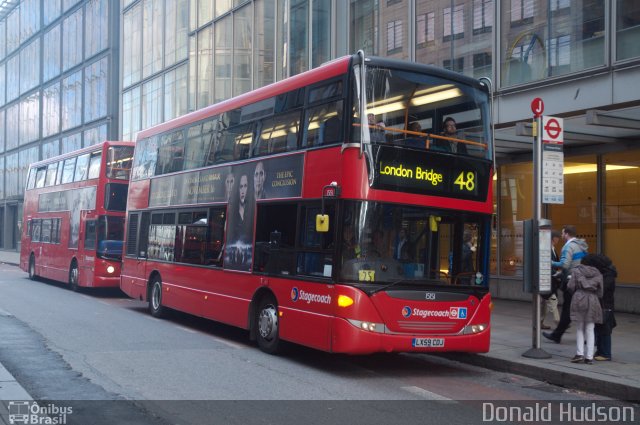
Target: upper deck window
410 109
119 160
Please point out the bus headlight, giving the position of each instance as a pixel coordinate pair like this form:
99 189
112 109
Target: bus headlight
110 269
474 329
369 326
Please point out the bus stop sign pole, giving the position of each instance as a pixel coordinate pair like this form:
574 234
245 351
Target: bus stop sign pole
537 242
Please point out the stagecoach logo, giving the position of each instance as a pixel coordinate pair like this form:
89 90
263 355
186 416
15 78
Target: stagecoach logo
294 294
30 412
452 313
298 294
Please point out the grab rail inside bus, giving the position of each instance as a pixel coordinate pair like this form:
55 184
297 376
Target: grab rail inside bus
427 136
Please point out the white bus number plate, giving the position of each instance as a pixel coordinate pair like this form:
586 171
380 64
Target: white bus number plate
428 342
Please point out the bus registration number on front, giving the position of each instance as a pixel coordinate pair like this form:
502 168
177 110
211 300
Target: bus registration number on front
428 342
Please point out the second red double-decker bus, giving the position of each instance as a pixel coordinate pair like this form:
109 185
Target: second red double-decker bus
333 209
74 208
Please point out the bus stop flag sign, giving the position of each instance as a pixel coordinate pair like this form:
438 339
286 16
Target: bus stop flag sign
552 160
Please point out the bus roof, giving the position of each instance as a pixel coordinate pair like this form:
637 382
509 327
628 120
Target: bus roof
91 148
328 70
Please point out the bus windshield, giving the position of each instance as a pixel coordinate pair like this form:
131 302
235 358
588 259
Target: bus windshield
110 237
384 243
119 160
423 111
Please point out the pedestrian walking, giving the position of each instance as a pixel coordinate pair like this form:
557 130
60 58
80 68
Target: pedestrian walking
572 253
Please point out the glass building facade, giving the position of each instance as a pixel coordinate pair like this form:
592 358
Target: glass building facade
150 61
59 84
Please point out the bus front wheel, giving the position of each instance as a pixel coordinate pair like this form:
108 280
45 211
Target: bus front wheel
155 298
32 267
267 325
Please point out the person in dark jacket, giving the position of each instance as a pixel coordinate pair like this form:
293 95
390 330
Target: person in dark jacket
603 331
586 285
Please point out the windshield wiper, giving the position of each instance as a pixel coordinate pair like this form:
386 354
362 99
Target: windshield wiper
409 282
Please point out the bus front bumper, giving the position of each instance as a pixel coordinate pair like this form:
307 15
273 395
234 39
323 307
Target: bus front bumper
347 338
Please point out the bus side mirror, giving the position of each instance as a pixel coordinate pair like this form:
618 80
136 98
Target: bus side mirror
322 223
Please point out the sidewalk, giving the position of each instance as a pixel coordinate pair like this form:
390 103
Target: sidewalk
511 336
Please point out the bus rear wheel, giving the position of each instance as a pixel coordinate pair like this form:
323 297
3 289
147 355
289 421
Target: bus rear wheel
155 298
267 326
32 267
73 276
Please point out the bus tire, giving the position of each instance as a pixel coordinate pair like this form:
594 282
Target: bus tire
155 298
73 276
32 268
267 325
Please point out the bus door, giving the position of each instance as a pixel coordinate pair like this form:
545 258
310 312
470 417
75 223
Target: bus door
137 245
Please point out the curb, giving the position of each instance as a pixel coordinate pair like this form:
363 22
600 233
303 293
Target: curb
564 379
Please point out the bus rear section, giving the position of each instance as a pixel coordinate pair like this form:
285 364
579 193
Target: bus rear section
74 216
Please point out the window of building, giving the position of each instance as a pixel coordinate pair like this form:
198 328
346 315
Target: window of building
96 90
223 59
453 22
96 27
395 38
299 46
559 53
30 118
30 66
264 52
13 30
482 16
364 25
132 49
425 28
176 30
521 12
29 19
71 143
51 110
204 62
627 29
152 102
12 126
95 135
72 40
131 112
621 210
3 40
456 64
13 78
51 11
72 101
481 64
175 92
51 54
2 84
557 5
152 37
2 127
242 37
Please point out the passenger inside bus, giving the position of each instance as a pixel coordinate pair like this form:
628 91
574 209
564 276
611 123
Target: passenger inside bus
332 127
414 140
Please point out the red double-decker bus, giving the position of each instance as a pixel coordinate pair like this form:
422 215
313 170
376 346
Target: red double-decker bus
74 210
331 209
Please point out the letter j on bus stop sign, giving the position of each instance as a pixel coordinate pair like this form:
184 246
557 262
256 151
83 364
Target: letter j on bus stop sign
537 107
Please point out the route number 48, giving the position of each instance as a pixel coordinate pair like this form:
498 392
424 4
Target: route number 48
466 181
